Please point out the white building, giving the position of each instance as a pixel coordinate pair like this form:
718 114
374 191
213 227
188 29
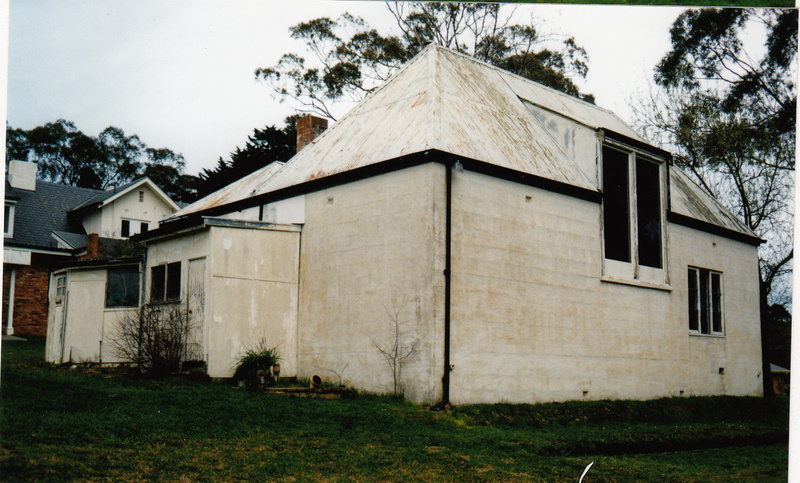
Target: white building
529 246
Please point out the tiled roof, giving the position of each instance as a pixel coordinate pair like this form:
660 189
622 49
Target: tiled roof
102 195
39 213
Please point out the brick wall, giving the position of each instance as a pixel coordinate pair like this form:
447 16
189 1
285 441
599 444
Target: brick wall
30 296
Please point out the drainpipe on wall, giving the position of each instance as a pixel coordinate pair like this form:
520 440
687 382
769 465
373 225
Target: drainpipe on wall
449 166
10 320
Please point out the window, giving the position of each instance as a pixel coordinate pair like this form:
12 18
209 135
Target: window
128 227
141 197
165 282
174 281
705 301
61 289
122 287
8 220
633 214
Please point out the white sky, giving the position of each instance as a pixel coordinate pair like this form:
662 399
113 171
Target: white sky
179 74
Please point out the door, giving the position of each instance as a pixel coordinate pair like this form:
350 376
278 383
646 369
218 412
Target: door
195 300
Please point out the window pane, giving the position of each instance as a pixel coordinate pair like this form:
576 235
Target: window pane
122 287
704 299
648 213
174 281
6 219
126 228
616 207
693 312
143 228
157 283
716 302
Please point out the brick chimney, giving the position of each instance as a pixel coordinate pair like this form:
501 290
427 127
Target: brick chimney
93 248
308 128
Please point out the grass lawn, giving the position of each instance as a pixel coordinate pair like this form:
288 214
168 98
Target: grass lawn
59 424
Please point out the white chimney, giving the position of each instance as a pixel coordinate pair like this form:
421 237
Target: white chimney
22 175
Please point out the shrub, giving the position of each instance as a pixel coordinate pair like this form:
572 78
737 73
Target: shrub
255 364
154 339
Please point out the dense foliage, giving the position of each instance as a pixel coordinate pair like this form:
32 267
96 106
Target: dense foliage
66 155
726 107
263 147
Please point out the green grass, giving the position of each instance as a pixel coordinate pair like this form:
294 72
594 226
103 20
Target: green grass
62 424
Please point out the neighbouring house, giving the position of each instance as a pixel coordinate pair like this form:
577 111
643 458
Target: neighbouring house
508 241
50 224
780 379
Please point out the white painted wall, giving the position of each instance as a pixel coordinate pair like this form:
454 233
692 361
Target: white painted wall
247 214
252 295
532 321
578 141
289 211
251 286
87 332
107 221
367 247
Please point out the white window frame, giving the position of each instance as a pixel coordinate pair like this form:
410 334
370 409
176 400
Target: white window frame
61 288
9 220
633 271
699 271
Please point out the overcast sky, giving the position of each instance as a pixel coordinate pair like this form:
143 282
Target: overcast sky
179 73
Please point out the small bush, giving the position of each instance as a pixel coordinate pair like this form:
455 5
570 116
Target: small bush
154 339
255 364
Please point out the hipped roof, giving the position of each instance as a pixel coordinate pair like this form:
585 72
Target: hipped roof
446 101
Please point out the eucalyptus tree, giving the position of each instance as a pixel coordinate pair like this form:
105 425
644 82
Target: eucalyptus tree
66 155
349 58
726 107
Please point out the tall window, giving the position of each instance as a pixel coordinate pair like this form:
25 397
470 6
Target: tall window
632 212
705 301
126 229
122 287
165 282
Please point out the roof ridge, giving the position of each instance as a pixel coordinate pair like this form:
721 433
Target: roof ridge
523 78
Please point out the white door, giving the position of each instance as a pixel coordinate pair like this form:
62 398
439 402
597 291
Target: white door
195 299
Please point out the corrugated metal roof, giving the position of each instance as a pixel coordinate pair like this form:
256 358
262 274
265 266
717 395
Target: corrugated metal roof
688 199
237 190
584 112
439 100
451 102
